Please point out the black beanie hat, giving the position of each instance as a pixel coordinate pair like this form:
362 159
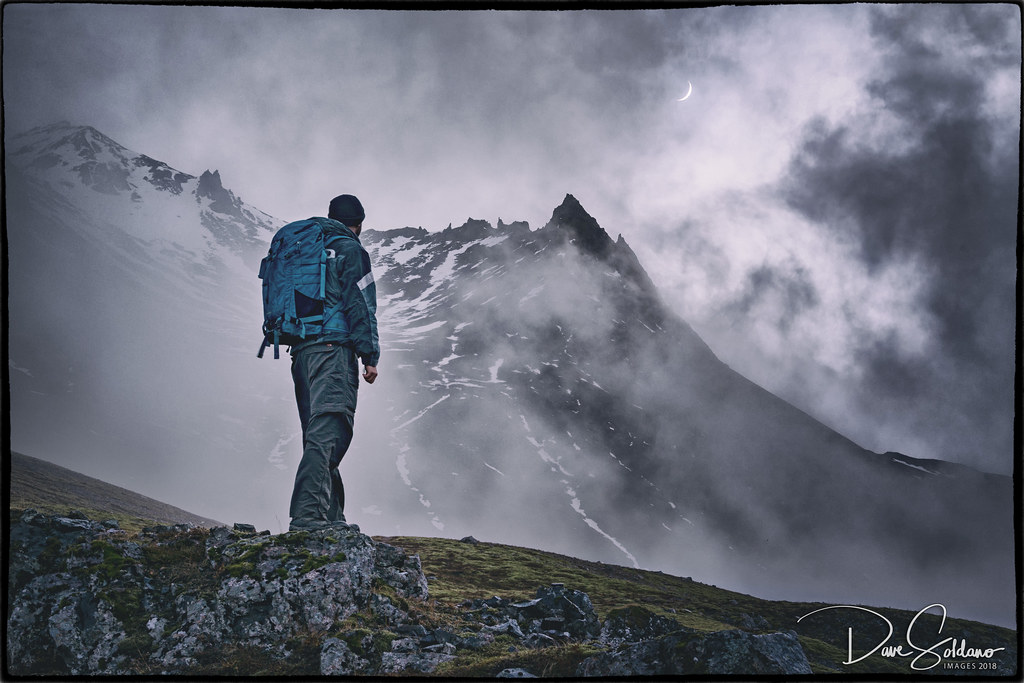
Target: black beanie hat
346 209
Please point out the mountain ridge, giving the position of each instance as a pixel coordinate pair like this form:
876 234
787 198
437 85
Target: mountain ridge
571 222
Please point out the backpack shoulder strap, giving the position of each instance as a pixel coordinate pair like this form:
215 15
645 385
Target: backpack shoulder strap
332 240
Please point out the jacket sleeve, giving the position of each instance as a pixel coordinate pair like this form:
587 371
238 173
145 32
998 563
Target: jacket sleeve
359 294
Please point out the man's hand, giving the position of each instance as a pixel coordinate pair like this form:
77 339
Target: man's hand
369 373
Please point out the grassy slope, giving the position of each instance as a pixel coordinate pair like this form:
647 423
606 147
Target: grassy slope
459 571
53 489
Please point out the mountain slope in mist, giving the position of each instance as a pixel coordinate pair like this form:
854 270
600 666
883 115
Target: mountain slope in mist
553 392
535 390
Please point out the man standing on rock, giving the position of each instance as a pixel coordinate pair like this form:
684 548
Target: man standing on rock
326 374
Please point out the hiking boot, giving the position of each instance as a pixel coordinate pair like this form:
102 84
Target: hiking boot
320 525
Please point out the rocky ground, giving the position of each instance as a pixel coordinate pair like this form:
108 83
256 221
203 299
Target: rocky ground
88 598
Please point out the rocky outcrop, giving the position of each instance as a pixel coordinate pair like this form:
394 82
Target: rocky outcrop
221 199
90 599
570 221
227 218
162 176
555 615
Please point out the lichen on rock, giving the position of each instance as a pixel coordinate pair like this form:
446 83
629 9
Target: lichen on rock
90 599
87 599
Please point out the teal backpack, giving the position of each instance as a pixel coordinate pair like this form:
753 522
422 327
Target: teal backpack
294 275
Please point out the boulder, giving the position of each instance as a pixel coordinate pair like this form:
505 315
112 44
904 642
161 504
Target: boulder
556 614
633 624
336 659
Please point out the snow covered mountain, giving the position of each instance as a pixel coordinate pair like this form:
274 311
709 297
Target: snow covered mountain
131 299
535 390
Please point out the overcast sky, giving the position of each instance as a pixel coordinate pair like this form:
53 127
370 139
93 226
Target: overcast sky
833 208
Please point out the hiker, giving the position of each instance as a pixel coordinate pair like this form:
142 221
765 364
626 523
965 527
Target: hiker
325 368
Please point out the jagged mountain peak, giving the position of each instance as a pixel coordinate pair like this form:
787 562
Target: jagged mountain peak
572 223
572 220
105 165
209 182
221 199
100 163
513 229
472 229
130 196
477 229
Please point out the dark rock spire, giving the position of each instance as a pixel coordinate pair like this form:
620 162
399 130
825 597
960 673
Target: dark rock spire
580 227
221 199
572 223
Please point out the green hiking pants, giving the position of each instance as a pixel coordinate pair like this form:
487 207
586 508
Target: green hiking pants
326 383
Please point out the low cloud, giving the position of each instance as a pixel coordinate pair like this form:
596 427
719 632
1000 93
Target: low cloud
943 199
777 296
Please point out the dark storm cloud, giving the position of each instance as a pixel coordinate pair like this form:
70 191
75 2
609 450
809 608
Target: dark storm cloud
616 48
775 294
977 24
555 79
420 103
940 194
565 49
885 366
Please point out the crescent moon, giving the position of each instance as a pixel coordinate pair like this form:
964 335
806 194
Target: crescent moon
688 91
